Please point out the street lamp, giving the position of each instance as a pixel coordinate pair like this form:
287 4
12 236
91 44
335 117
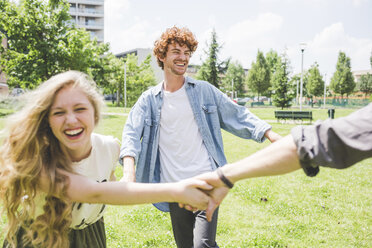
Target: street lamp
125 85
325 80
302 46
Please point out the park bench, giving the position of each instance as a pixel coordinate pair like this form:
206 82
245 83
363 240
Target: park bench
257 104
294 115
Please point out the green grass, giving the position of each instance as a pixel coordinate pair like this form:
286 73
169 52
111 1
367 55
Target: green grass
331 210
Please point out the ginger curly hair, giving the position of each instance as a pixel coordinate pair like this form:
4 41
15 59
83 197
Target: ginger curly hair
182 36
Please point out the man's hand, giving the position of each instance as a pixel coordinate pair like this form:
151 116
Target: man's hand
129 173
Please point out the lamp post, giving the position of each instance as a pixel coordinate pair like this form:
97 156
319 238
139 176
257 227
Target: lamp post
125 85
302 46
232 89
324 100
296 92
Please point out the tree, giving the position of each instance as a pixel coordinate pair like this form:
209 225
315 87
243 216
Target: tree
42 42
235 73
258 79
365 84
211 68
108 72
139 77
342 81
315 83
283 94
272 59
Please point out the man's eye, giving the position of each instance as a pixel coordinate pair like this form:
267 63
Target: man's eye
80 109
58 113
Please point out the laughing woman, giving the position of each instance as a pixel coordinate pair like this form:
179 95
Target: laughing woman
54 170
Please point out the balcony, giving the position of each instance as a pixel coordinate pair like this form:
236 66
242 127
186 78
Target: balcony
86 12
93 2
91 25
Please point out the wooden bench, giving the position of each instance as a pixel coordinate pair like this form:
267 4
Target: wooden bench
257 104
294 115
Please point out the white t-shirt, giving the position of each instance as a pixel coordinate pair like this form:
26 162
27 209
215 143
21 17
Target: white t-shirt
98 166
182 151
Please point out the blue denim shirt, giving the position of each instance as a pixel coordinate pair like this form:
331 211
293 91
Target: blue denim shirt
212 109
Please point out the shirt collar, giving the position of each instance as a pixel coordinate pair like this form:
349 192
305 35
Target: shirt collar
159 88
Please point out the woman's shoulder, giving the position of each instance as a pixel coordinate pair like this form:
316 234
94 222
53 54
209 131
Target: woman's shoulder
104 140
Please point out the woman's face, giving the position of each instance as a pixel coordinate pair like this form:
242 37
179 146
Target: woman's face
71 119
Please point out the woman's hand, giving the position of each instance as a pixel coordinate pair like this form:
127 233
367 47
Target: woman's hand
191 192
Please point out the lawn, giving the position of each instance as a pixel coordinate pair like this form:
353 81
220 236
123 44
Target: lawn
331 210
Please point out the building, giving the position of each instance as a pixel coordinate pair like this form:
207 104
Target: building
142 54
358 74
89 14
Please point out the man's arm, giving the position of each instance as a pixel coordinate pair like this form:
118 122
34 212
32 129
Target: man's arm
131 140
239 121
129 172
272 136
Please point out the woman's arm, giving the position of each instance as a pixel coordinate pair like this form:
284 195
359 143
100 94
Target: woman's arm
83 189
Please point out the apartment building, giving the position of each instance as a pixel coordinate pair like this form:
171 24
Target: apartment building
89 14
358 74
142 54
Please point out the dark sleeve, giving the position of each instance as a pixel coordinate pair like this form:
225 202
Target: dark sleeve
338 143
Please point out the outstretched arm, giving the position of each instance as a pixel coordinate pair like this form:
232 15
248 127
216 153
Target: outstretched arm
83 189
338 143
278 158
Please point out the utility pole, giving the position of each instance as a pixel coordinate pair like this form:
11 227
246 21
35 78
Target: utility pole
232 89
325 81
125 85
303 45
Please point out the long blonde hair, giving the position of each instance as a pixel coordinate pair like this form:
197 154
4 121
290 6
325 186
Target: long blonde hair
29 151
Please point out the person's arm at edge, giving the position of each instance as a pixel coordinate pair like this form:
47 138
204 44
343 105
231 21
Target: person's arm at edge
276 159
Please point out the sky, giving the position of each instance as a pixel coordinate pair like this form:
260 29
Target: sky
243 27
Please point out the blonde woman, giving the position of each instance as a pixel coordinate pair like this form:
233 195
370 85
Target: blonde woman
53 167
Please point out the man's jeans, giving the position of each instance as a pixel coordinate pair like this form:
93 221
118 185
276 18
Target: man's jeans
191 229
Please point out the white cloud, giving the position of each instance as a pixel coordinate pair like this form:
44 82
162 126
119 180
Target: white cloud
359 2
115 9
251 29
136 36
326 45
243 39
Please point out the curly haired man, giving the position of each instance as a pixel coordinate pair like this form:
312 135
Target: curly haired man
173 132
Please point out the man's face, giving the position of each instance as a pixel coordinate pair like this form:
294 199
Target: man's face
176 59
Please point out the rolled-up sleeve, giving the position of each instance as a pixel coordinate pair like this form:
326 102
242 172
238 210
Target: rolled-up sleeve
132 132
240 121
337 143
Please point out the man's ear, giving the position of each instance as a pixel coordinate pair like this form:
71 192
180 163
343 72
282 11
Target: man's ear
161 58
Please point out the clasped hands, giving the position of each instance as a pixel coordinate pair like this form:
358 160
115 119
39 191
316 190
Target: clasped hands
214 191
